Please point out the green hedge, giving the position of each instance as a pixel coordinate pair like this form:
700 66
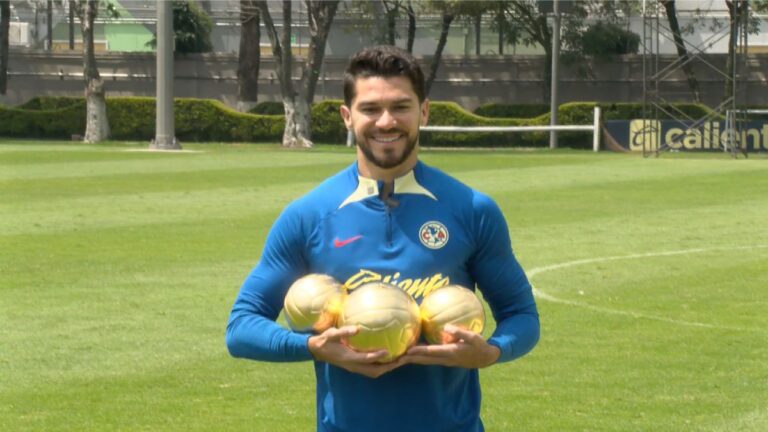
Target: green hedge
580 113
133 118
268 108
52 103
610 111
327 125
51 123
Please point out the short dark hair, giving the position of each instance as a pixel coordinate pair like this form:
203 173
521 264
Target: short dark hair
382 61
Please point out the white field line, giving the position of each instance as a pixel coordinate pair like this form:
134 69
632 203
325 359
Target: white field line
149 150
638 315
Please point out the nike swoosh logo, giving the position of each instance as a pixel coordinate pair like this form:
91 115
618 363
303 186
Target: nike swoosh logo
339 243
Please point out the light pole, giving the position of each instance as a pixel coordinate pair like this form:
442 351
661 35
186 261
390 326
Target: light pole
165 138
554 82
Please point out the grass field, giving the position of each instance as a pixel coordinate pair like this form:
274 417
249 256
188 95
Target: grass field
118 269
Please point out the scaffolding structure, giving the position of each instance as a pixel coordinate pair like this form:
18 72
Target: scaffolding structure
659 77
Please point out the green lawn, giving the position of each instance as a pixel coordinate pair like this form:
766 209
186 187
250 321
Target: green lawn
118 268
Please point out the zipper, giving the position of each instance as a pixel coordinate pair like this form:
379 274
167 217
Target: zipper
389 202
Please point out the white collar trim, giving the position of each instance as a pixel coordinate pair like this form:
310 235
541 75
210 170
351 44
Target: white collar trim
367 187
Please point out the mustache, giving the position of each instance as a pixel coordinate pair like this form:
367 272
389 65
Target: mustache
386 131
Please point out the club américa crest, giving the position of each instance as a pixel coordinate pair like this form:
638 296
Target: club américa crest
433 235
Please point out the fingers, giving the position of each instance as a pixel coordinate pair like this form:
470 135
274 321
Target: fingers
459 333
426 360
336 334
369 357
372 370
432 350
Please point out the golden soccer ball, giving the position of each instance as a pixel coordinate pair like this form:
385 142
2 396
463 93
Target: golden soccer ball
312 303
451 304
387 318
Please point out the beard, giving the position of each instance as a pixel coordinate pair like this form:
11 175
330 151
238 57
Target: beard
389 159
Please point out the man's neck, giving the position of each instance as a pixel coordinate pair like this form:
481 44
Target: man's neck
366 169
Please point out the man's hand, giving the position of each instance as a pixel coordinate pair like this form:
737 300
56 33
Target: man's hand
328 347
470 351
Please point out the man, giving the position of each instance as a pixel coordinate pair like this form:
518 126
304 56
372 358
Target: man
389 217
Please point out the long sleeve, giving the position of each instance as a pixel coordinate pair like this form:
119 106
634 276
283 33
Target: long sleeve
252 331
503 283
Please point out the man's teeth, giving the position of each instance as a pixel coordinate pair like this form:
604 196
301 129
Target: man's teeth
387 139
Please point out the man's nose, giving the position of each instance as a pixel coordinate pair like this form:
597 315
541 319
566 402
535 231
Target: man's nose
386 120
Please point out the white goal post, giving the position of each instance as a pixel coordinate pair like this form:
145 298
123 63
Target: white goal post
594 128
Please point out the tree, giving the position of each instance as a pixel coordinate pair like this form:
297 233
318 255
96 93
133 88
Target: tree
411 26
522 21
49 24
741 11
604 40
191 29
385 30
682 52
5 24
97 123
320 14
447 16
297 100
249 57
448 10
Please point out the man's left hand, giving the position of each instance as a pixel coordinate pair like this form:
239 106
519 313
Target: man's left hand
470 351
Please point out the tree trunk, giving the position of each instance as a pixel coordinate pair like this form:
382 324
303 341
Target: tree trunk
249 58
500 22
72 6
297 123
379 25
478 19
682 52
446 25
5 25
296 132
391 23
411 27
97 124
320 14
49 24
735 10
547 88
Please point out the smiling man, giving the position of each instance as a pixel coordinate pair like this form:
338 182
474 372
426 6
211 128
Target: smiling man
389 217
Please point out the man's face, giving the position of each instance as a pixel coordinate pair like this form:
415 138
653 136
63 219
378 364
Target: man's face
385 117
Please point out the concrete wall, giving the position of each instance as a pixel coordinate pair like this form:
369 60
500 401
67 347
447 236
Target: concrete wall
470 81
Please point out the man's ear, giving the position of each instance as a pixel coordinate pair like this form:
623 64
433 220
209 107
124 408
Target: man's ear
424 112
346 115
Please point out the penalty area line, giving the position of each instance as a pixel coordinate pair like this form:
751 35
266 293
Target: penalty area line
637 315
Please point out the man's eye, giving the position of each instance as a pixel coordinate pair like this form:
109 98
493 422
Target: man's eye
368 110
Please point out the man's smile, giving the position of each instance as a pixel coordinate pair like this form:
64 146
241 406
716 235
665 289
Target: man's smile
386 138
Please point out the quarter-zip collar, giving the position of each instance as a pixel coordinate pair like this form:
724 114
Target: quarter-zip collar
405 184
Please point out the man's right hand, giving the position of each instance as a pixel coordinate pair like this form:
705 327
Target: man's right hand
328 347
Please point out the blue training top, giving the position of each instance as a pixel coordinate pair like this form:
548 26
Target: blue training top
436 231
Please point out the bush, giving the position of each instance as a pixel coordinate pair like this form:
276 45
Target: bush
451 114
51 123
52 103
268 108
327 125
133 118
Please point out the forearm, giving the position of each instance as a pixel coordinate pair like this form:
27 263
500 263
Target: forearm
516 335
258 338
